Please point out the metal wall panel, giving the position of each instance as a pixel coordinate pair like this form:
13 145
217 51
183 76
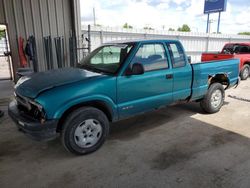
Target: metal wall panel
44 18
67 24
2 17
19 17
38 32
53 25
28 20
59 16
39 18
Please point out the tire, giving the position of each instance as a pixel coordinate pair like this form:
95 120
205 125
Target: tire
244 73
84 130
214 98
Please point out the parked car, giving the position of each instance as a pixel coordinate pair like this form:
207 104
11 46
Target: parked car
233 50
116 81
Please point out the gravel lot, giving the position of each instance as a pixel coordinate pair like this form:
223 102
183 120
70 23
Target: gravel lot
179 146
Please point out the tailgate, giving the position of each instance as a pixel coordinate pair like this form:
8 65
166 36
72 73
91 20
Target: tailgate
215 56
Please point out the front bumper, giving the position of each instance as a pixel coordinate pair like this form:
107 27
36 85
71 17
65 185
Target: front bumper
31 127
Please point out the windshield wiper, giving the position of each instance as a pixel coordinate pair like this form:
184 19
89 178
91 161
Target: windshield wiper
88 67
93 69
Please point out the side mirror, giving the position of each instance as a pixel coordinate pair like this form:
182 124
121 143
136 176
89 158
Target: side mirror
137 69
189 59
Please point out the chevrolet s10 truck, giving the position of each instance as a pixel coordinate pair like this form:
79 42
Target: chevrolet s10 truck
233 50
116 81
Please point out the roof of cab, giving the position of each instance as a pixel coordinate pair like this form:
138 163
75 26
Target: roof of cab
140 41
238 43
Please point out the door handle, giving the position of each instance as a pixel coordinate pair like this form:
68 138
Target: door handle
169 76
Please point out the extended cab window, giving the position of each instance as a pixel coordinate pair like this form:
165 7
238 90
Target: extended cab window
151 56
177 55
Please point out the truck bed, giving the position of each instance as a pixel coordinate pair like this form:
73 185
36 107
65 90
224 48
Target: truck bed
202 70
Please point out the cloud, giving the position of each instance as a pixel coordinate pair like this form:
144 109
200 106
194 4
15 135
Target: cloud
163 6
167 13
178 2
236 19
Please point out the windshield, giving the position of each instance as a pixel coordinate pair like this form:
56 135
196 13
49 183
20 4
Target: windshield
107 58
235 48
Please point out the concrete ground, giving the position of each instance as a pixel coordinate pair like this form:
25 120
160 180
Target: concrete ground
179 146
4 68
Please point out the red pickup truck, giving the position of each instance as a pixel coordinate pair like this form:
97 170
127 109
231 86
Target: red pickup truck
233 50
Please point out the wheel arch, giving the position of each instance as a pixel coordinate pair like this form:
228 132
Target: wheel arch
101 105
246 63
219 78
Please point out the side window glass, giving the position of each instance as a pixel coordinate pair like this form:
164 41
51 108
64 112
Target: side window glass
244 49
152 57
178 56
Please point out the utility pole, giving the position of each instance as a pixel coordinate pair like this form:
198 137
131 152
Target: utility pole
94 16
209 25
218 26
207 22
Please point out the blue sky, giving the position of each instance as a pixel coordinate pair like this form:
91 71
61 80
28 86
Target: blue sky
163 14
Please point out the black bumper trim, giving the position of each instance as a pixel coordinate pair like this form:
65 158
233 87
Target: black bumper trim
33 128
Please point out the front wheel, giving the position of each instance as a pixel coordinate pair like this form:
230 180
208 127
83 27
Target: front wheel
85 130
244 74
214 98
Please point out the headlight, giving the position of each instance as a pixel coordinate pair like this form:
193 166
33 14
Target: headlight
37 110
21 80
30 107
40 107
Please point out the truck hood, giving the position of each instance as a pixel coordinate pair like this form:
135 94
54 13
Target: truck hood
31 86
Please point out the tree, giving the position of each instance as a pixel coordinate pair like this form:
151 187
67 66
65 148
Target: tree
127 26
148 28
2 34
184 28
171 29
244 33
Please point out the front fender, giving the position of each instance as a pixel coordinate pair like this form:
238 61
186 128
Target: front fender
68 104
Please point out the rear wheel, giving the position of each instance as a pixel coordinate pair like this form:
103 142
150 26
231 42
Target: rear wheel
244 74
214 98
85 130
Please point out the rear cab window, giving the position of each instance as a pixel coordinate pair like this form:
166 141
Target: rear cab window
236 49
177 54
151 56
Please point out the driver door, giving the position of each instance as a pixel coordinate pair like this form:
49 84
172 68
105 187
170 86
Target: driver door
141 93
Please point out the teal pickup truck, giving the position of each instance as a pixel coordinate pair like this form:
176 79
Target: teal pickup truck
116 81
